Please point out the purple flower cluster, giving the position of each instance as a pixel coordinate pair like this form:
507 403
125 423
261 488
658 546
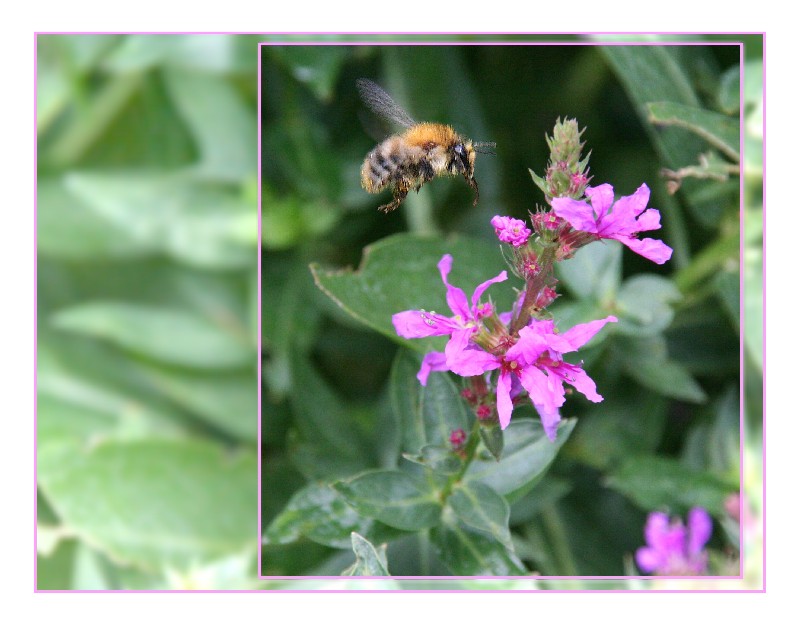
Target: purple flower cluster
525 351
675 549
531 360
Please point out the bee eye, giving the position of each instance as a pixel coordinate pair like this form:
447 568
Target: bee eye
459 149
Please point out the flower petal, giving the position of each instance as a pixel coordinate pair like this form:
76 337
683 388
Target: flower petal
654 250
579 214
432 362
699 523
413 324
504 405
578 335
482 288
456 299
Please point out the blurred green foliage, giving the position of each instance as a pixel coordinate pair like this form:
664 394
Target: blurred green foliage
147 301
147 230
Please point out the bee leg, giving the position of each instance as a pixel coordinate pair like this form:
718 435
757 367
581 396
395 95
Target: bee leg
474 186
400 192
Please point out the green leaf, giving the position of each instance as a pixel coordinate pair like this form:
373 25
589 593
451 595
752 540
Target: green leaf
594 273
646 360
471 553
645 304
369 560
320 513
653 482
492 437
527 455
438 458
399 273
66 227
204 52
226 400
654 74
222 125
55 571
427 415
729 88
401 500
152 503
197 222
480 507
170 336
87 391
717 129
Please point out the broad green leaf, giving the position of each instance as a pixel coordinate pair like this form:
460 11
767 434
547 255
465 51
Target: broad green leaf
226 400
438 458
469 553
399 273
66 227
152 503
320 513
653 482
646 360
594 273
492 438
480 507
527 455
727 289
399 499
166 335
55 570
653 74
729 88
203 52
429 414
86 391
222 125
196 222
720 131
644 305
369 559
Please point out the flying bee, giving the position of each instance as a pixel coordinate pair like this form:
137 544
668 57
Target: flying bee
406 161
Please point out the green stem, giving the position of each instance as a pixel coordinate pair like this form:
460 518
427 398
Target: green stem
535 287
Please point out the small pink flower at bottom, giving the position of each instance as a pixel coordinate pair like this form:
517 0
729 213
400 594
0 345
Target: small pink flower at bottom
675 549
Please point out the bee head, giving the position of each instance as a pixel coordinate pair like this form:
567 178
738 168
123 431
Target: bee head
463 159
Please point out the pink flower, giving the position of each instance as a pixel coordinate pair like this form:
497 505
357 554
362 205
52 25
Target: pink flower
466 319
673 549
511 230
536 363
622 221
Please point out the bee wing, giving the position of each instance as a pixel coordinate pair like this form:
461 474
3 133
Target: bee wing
382 104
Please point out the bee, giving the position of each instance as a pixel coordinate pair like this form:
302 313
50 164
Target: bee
408 160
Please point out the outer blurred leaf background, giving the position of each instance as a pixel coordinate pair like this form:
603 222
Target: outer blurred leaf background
147 293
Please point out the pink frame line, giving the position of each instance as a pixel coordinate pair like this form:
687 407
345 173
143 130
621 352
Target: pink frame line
321 42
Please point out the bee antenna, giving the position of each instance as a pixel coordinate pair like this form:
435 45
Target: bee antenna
485 148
